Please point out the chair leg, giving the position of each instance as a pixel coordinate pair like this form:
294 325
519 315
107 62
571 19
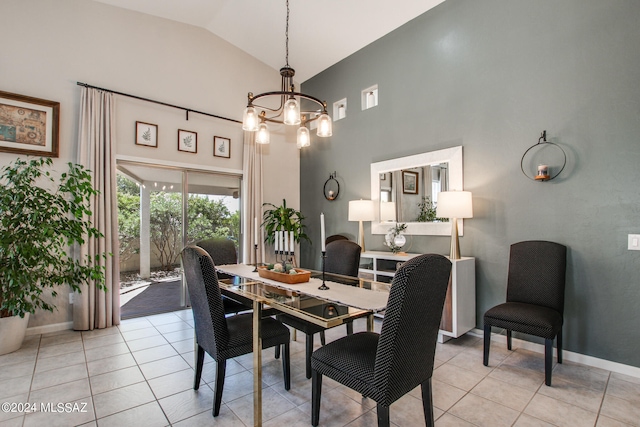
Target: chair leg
548 360
322 340
350 328
309 350
277 352
217 393
316 392
508 339
427 403
199 363
559 345
286 366
383 416
487 344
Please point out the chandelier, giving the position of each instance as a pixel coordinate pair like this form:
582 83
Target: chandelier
256 116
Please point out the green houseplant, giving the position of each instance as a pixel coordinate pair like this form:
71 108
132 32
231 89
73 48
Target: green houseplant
283 218
41 217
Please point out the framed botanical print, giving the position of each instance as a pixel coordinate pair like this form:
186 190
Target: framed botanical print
29 125
221 147
146 134
409 182
187 141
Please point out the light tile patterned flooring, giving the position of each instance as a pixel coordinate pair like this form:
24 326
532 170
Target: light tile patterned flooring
141 374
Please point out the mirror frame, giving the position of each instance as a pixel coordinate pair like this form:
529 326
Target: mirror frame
452 155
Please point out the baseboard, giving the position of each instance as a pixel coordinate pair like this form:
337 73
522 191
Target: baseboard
566 355
45 329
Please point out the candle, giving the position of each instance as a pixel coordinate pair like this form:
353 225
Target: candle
543 170
255 230
293 242
286 241
322 232
276 239
281 243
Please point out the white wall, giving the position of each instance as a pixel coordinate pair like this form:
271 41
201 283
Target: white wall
48 46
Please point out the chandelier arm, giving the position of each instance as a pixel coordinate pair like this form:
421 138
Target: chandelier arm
283 93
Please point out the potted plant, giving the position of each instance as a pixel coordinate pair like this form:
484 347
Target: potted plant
41 217
282 218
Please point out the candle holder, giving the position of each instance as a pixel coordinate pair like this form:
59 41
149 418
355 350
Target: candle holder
255 257
324 287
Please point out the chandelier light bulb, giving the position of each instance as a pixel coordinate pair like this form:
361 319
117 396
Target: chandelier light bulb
250 119
263 134
304 139
324 125
291 112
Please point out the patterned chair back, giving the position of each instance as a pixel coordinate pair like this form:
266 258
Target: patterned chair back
407 344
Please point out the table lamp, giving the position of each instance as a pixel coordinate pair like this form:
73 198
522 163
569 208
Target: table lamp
454 205
361 210
387 211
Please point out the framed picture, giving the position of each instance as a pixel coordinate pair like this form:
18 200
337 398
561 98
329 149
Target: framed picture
146 134
409 182
29 125
221 147
187 141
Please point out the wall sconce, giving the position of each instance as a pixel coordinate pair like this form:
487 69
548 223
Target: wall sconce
340 109
331 187
543 170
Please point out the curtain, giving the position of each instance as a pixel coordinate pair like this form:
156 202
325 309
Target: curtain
252 198
94 308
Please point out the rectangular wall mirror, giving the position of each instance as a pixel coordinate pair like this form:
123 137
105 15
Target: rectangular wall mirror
402 189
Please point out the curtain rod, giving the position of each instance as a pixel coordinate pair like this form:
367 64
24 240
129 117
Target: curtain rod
187 110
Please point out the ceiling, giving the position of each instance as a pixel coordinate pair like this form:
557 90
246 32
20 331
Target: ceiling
321 33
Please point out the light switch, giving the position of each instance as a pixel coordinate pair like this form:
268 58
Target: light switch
634 242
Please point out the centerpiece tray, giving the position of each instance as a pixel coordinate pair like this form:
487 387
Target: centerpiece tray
301 277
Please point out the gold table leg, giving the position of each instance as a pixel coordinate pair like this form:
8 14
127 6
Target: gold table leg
370 322
257 363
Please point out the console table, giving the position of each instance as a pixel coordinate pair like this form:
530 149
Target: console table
459 313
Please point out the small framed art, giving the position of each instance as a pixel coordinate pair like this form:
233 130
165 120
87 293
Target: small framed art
221 147
29 125
187 141
146 134
409 182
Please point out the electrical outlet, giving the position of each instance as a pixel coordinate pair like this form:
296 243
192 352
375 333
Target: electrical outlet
634 242
71 298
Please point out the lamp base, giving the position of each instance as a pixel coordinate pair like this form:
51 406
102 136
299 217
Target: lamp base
454 252
361 237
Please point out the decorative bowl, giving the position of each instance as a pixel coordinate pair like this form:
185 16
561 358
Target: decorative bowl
302 276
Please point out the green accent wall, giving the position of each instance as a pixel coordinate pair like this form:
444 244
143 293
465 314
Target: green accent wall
491 75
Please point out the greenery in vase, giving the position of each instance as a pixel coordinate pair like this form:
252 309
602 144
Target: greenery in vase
391 237
282 218
40 219
428 211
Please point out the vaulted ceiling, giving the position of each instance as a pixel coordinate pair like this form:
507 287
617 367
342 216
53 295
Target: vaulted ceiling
321 33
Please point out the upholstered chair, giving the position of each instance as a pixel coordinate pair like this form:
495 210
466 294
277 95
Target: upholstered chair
224 337
223 251
535 298
386 366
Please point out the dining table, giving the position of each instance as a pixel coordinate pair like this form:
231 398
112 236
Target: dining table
341 299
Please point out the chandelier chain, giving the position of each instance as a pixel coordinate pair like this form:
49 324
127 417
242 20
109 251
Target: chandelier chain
287 36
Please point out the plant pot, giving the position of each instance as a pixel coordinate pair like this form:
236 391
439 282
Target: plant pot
12 332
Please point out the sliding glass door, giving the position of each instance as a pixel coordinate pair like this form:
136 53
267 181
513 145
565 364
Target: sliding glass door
161 210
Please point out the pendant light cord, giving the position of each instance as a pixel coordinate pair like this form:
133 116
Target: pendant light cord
287 36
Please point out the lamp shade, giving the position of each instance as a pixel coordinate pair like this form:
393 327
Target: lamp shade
454 204
361 210
387 211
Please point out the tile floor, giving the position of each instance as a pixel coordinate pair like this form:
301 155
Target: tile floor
141 374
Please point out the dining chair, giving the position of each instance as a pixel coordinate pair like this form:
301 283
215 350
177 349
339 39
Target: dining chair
535 298
224 337
334 237
386 366
223 251
343 257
